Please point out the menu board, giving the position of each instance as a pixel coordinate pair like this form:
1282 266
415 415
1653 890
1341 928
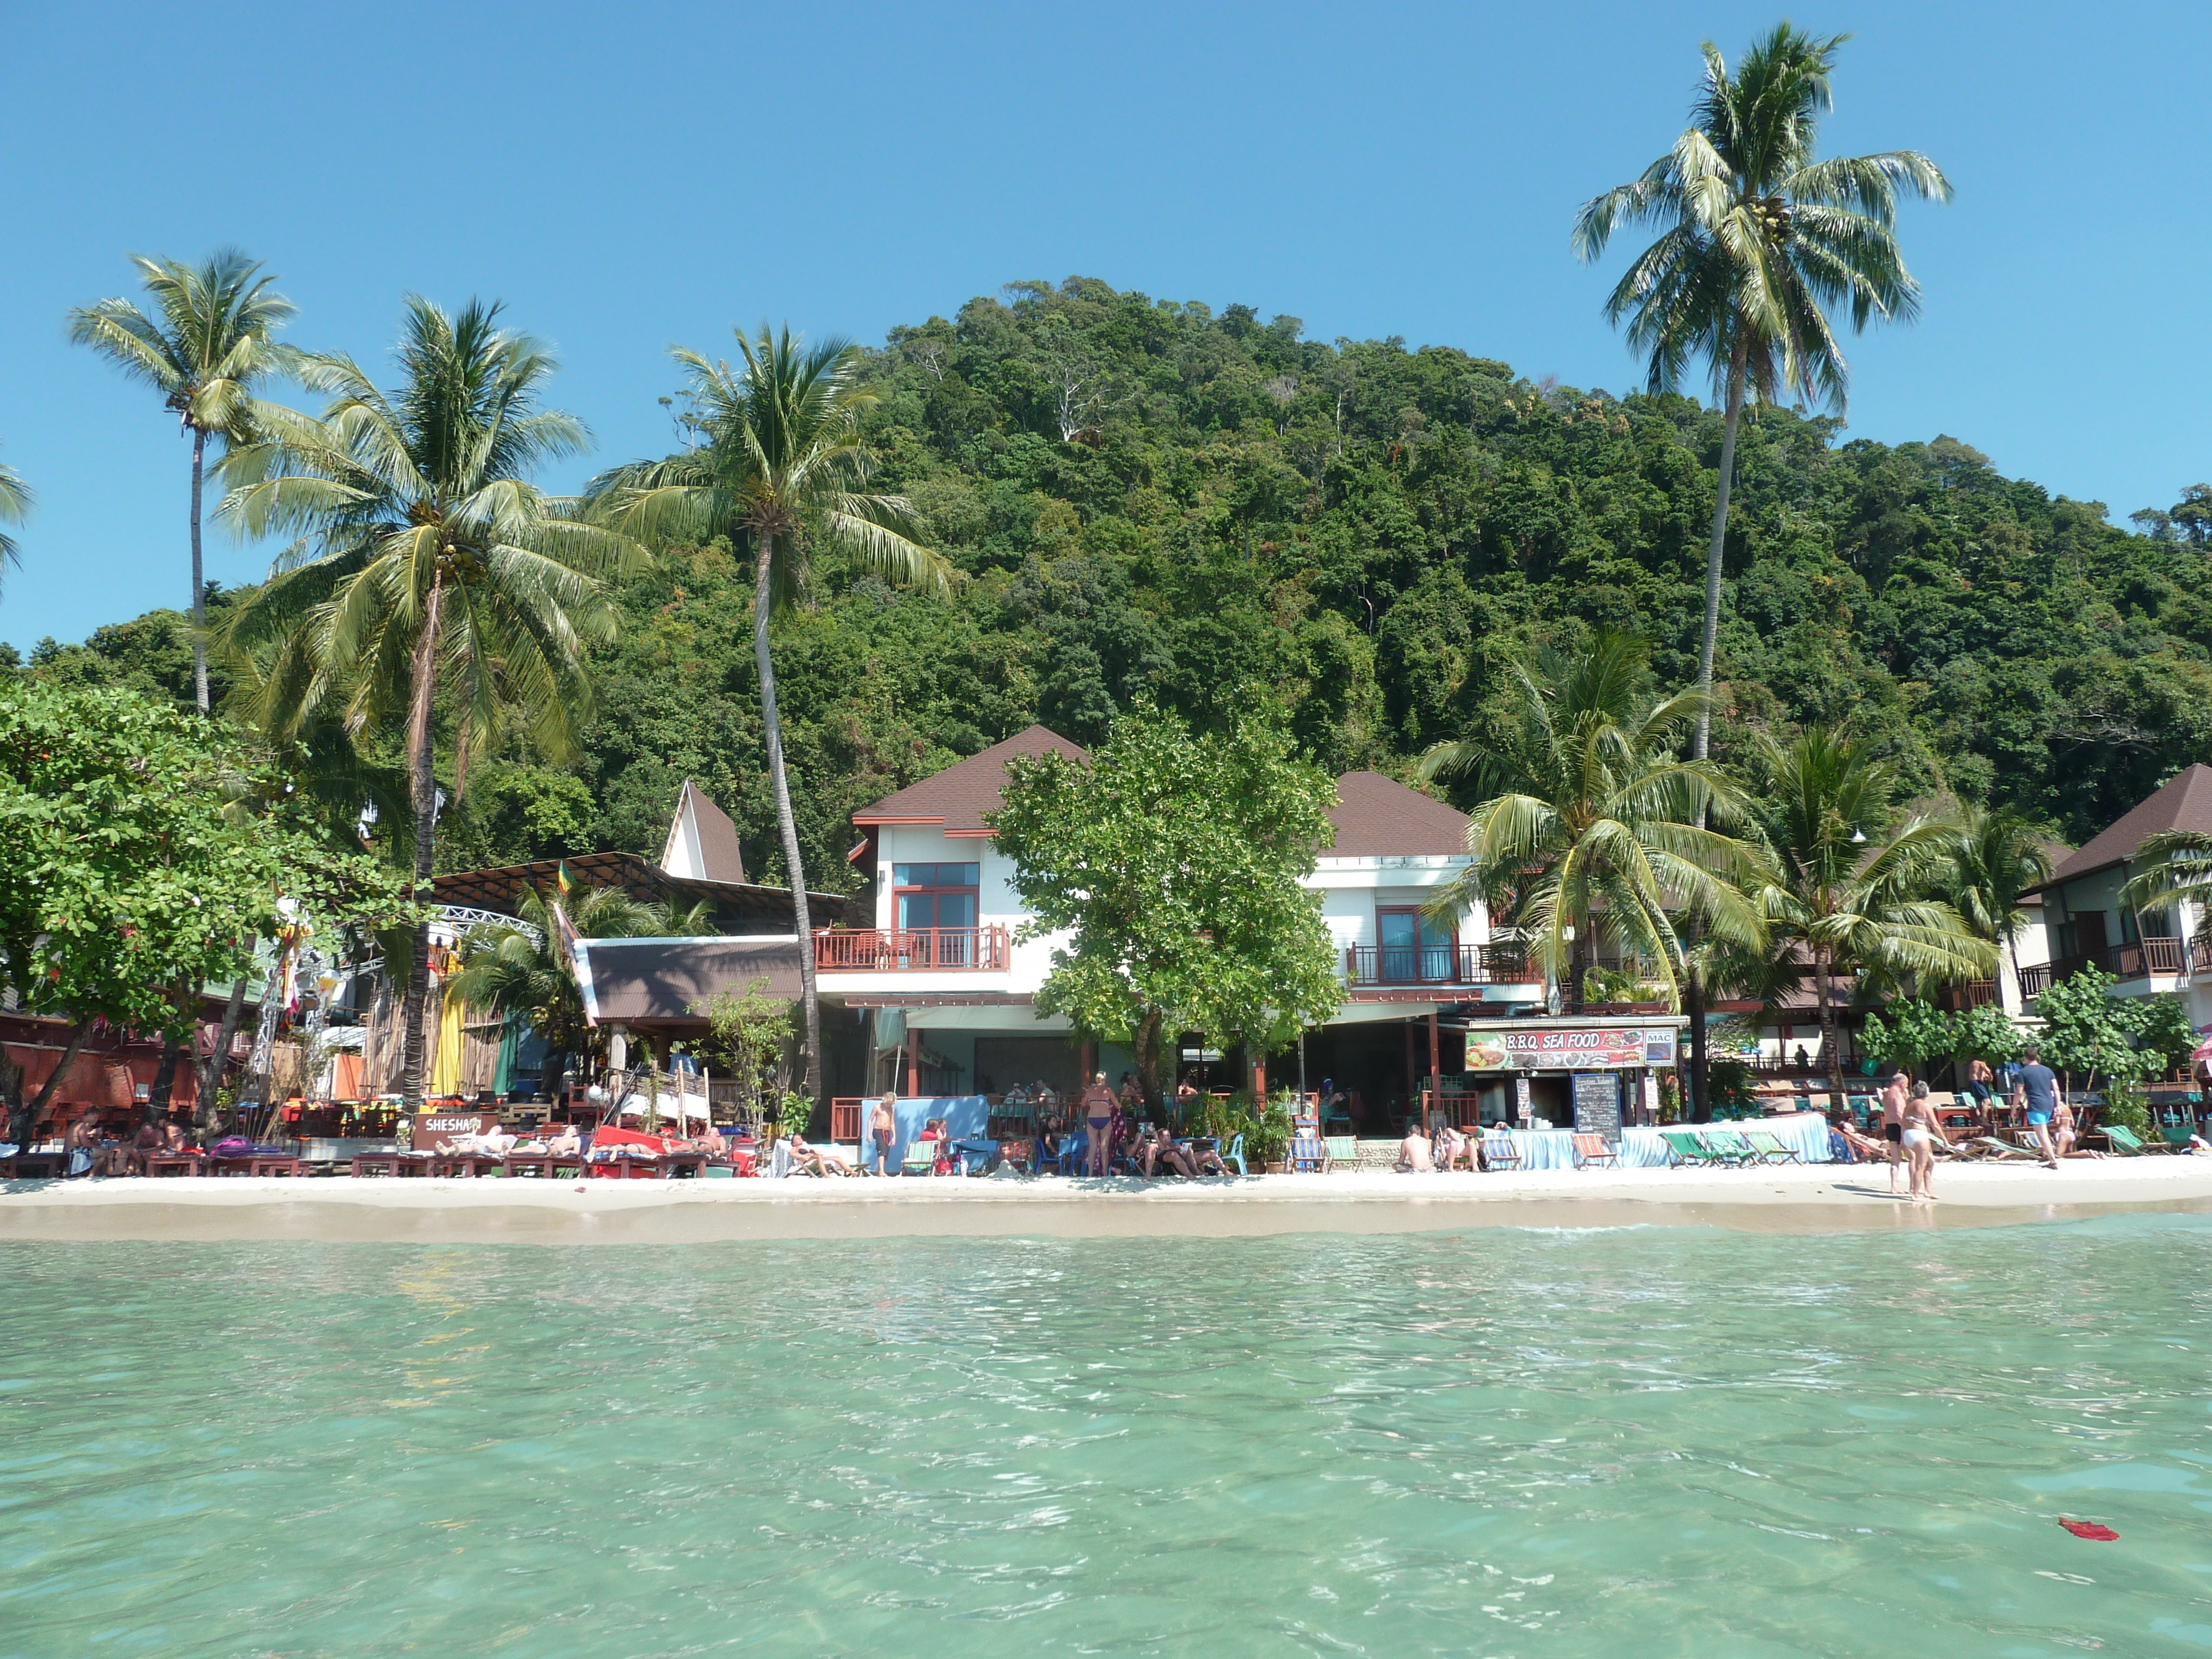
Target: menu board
1597 1104
1547 1047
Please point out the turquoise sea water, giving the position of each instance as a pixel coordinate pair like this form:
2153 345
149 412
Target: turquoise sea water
1627 1442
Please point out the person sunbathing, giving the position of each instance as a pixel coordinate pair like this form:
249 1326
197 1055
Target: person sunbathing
817 1160
1453 1149
1160 1148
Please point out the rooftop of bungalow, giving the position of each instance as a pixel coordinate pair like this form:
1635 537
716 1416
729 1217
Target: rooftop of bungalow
1374 816
2182 802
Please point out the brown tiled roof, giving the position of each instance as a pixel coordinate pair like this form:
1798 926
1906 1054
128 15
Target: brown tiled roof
658 979
734 903
959 796
719 852
2184 802
1376 816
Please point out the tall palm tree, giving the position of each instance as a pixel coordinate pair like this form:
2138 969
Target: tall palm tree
1758 238
426 566
1853 888
782 472
1592 800
15 503
208 343
2000 859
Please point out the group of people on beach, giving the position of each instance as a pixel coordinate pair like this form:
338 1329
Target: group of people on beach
1912 1128
1090 1134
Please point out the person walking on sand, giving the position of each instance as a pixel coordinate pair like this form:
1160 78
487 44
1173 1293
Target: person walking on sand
1920 1128
1097 1108
1894 1096
2036 1088
884 1129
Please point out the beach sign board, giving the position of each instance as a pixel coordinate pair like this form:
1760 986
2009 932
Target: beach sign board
1549 1048
1597 1104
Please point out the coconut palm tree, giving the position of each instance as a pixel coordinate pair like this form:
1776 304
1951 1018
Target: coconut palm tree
1758 237
208 343
15 503
1853 889
2176 870
1592 821
2000 859
782 473
427 569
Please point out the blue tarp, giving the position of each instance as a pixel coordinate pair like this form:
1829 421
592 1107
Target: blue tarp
966 1115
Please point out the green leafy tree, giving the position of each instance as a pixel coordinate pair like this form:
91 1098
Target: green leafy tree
1853 888
752 1031
1999 860
1759 240
427 568
1911 1032
210 341
1590 819
2127 1039
1985 1031
141 852
1173 862
781 473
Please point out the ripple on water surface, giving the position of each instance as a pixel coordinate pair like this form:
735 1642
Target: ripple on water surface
1632 1443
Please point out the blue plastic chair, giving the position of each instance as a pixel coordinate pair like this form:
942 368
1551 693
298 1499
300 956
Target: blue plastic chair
1234 1153
1073 1147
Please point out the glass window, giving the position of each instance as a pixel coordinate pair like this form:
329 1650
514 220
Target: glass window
934 875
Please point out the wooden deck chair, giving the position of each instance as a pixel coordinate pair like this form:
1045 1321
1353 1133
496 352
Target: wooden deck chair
1683 1148
1770 1147
1343 1151
1500 1152
1592 1149
920 1157
1309 1153
2123 1141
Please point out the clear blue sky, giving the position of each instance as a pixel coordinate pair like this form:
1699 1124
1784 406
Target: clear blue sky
627 177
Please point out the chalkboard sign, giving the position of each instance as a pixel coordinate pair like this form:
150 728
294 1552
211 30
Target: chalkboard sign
1597 1104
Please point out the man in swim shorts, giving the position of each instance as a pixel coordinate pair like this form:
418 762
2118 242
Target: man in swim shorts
2036 1088
1893 1120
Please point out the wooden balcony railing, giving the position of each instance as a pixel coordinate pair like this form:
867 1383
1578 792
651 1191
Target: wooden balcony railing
2035 981
929 949
1435 964
1972 994
2150 956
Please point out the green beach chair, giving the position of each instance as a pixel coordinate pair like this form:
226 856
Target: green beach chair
1343 1151
1683 1148
920 1157
1727 1146
1770 1148
2123 1140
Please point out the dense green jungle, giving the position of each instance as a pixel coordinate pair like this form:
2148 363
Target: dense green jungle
1152 499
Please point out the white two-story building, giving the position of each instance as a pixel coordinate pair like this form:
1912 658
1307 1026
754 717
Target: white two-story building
948 987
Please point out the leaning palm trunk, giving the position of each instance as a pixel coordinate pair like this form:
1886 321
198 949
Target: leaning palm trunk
788 825
425 778
1706 650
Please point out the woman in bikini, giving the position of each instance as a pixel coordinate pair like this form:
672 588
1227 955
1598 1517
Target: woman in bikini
1920 1130
1097 1107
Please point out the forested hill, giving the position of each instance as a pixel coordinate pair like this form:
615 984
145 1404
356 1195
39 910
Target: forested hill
1147 498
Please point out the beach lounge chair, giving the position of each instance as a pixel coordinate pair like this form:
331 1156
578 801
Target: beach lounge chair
1309 1153
1770 1148
920 1159
1728 1146
1592 1149
1684 1146
778 1161
1499 1152
1343 1151
2123 1141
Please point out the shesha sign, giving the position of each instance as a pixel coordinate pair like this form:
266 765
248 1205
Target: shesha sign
1575 1049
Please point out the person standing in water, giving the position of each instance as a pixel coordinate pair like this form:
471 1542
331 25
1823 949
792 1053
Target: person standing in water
1098 1117
1893 1121
2036 1088
1920 1128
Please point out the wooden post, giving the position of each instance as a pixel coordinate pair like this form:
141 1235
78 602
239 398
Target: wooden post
912 1061
1090 1063
1436 1065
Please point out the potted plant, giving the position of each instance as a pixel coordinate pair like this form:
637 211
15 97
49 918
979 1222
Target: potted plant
1267 1142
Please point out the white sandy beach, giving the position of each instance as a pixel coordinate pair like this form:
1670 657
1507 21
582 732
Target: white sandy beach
1818 1198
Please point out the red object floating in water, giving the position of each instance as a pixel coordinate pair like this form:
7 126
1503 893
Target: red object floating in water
2090 1529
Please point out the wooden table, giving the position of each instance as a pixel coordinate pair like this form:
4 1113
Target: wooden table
34 1166
468 1166
272 1164
172 1163
542 1165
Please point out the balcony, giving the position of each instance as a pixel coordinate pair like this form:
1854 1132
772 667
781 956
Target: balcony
919 950
2137 959
1435 964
